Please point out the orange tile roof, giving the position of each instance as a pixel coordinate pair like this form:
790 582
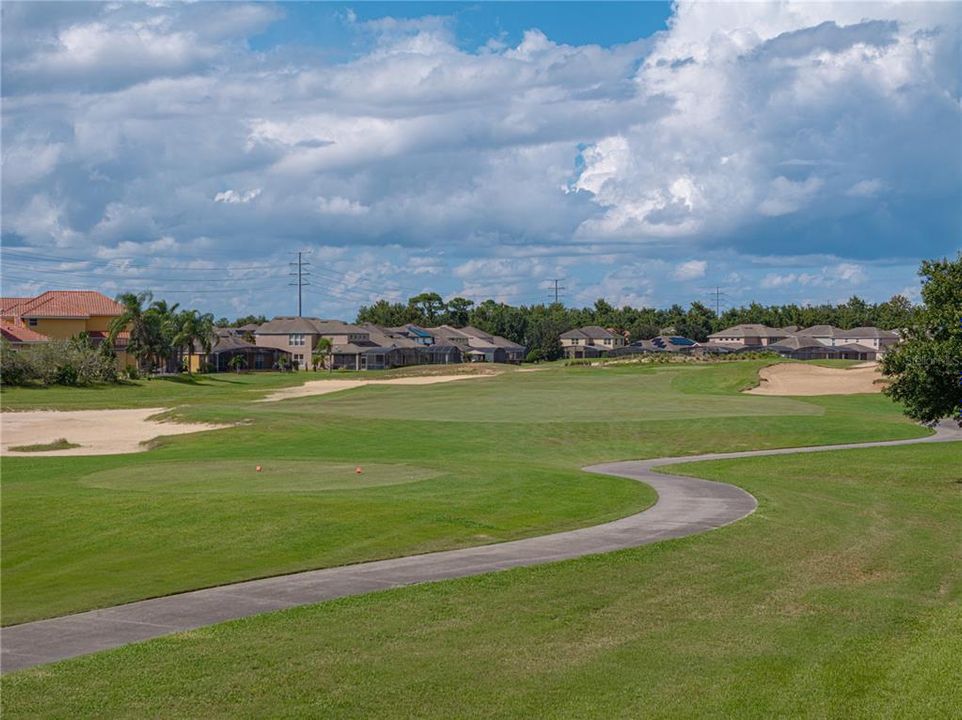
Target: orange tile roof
9 305
20 334
69 304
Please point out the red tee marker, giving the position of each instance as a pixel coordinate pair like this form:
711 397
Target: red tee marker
358 470
258 468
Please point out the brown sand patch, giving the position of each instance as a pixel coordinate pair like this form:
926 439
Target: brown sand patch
323 387
798 379
97 432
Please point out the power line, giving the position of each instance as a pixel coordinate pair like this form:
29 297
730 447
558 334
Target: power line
719 297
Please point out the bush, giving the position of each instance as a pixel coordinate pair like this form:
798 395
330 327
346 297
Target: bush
533 356
58 362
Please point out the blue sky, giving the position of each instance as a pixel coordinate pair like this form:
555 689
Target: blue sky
643 152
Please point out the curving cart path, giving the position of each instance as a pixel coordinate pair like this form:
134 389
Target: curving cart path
685 506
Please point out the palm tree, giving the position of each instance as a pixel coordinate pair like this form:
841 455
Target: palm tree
166 316
237 363
321 352
134 319
194 329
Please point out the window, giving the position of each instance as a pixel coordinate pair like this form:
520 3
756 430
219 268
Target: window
298 360
295 339
32 322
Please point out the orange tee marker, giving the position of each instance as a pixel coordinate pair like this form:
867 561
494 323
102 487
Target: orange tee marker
358 470
258 468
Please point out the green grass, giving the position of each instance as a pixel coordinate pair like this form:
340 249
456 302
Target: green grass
840 597
59 444
494 459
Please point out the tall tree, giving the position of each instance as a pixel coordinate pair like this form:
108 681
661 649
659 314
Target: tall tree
926 367
194 331
144 330
322 353
428 306
457 312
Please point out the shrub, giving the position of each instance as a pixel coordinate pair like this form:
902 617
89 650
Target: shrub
58 362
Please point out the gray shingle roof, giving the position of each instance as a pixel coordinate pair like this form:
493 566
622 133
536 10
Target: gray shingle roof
749 330
593 332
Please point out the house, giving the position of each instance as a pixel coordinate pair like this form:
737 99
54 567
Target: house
299 337
589 341
660 344
231 345
432 350
747 335
61 315
868 337
485 347
799 347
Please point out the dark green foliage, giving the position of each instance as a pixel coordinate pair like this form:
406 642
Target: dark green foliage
927 366
538 326
58 362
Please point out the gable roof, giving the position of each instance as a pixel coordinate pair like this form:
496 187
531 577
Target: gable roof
830 331
750 330
285 325
68 304
592 332
9 305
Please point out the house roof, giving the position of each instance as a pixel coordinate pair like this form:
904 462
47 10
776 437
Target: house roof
798 342
855 347
9 305
592 332
750 330
830 331
19 334
285 325
68 304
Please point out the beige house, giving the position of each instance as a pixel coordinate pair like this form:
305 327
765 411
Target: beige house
867 337
299 336
748 335
589 341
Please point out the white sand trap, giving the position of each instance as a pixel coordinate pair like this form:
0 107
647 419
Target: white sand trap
797 379
98 432
323 387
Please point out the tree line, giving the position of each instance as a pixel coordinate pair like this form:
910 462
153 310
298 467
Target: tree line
538 326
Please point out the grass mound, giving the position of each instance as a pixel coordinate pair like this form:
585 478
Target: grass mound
58 444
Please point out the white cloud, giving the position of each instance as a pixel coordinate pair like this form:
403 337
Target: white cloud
691 270
233 197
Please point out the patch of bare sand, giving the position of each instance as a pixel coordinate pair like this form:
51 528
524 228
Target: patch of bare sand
323 387
98 432
798 379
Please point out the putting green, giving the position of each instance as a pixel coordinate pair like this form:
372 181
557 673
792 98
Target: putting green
242 476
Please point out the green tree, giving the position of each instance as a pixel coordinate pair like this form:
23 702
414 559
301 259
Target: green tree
322 353
926 367
457 312
194 331
145 341
237 363
428 307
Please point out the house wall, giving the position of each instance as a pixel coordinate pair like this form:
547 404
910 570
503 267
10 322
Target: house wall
58 328
282 342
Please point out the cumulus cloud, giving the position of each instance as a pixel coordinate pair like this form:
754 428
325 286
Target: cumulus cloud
691 270
742 129
234 197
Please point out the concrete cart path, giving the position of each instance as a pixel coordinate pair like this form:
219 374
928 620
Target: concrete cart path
685 506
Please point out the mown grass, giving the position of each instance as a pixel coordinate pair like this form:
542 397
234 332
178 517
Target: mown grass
501 458
840 597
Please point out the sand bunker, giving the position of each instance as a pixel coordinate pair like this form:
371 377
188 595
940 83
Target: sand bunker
323 387
797 379
97 432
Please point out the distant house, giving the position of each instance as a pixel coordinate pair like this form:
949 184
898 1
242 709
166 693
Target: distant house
868 337
589 341
227 346
660 344
484 347
299 336
61 315
748 335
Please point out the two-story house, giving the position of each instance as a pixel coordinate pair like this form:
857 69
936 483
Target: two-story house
61 315
589 341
